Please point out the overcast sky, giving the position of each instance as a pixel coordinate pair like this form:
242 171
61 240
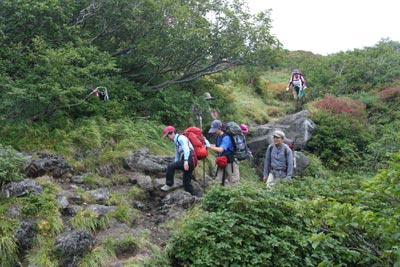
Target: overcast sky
326 27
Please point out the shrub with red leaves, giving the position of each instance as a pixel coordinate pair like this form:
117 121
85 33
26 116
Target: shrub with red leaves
389 94
340 105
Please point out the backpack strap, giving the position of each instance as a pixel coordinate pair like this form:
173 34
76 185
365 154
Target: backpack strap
269 149
270 154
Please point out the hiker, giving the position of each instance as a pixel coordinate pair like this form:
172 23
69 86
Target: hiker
185 159
213 114
299 84
198 112
245 130
278 163
228 168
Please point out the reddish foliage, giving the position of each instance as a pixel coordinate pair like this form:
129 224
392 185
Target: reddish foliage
389 93
338 105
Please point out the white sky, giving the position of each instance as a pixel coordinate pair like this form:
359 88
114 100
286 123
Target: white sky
330 26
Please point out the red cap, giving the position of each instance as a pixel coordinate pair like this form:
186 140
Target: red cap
168 129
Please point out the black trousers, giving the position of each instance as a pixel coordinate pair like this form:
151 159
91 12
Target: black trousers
187 175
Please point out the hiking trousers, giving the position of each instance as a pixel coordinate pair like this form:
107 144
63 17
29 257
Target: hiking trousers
187 175
231 177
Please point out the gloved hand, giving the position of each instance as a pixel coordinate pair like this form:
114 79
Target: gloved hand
287 89
207 143
304 87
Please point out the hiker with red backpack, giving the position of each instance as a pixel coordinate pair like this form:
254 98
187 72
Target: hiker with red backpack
298 83
278 162
185 159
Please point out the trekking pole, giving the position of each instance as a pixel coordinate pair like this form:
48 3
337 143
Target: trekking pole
204 161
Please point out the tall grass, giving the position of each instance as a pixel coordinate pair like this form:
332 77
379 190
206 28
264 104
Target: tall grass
8 250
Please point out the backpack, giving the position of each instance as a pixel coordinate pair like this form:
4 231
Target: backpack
233 130
198 141
301 77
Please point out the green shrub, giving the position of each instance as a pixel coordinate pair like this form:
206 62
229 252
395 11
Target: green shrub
11 165
339 140
241 226
327 221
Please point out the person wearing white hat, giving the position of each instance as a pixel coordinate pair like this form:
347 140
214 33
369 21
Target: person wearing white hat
208 96
278 163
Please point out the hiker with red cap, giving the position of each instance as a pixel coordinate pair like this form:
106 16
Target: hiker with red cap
185 159
228 168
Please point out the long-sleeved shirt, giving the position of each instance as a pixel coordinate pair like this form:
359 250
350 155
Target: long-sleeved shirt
278 159
182 147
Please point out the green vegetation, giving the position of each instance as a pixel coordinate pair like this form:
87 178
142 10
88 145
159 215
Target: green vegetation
11 164
157 59
329 221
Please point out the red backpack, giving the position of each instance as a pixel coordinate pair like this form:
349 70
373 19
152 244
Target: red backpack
198 141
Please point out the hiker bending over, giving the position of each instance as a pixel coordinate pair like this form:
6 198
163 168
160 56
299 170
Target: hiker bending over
228 168
185 159
278 163
299 84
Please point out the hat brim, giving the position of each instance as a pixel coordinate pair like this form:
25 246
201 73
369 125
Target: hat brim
275 135
213 130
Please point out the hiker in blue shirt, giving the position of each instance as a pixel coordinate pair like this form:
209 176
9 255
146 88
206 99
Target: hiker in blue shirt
185 159
228 168
278 163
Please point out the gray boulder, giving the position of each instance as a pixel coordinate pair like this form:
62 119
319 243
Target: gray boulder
53 165
25 234
22 188
73 245
142 161
297 127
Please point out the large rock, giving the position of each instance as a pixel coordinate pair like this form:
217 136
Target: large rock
297 127
142 161
22 188
73 245
53 165
25 234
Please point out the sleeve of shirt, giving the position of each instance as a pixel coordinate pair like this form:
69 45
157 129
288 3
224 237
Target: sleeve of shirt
176 142
289 163
303 81
267 161
207 143
225 143
290 81
184 142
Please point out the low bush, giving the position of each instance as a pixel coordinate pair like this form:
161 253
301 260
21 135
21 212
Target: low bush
389 94
327 221
339 140
11 165
339 105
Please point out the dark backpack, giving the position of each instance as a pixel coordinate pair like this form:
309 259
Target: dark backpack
233 130
198 141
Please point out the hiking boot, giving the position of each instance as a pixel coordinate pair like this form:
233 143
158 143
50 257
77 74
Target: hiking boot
166 188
